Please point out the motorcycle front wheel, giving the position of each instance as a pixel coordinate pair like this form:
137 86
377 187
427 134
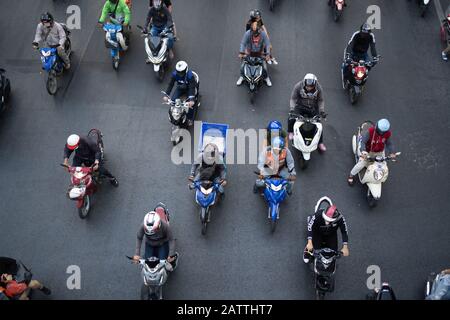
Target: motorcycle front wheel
52 83
204 215
353 95
371 200
336 14
252 97
161 73
320 295
303 163
84 210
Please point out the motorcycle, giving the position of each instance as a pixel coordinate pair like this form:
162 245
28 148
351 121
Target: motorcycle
307 134
275 192
337 7
5 90
115 40
18 270
384 293
84 180
423 6
252 72
438 287
376 172
360 72
207 192
157 49
53 64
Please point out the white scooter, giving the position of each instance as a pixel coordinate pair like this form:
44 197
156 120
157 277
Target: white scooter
307 133
377 172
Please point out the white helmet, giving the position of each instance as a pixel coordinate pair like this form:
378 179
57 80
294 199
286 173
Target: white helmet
73 141
182 67
310 79
151 223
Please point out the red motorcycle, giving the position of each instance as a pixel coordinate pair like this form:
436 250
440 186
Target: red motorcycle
84 181
359 71
337 6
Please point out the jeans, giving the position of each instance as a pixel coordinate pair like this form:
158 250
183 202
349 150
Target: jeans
155 31
179 92
161 252
77 162
63 55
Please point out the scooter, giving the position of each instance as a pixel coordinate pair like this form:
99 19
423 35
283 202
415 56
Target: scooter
307 134
252 72
275 192
5 90
360 72
376 172
157 49
115 40
423 6
438 286
85 181
384 293
337 7
52 63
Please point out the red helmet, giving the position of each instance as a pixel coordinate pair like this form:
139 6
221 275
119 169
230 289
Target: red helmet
73 141
331 214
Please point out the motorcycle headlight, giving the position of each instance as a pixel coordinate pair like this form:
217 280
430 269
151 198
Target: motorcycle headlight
206 191
75 193
360 74
276 188
46 54
378 174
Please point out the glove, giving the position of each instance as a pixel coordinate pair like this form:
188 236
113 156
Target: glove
323 115
35 45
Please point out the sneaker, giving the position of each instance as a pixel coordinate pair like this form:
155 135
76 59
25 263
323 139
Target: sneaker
268 82
291 136
274 61
114 182
351 180
444 56
322 147
240 80
46 291
306 257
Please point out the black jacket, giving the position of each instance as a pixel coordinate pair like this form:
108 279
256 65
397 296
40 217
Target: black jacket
159 18
88 150
317 224
360 43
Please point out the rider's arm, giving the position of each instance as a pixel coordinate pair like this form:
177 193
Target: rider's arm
149 17
344 230
320 101
196 164
365 139
290 163
350 44
126 11
140 237
244 42
105 12
294 96
67 152
39 32
389 146
94 149
171 84
170 238
191 88
311 225
61 34
262 160
373 49
169 17
266 43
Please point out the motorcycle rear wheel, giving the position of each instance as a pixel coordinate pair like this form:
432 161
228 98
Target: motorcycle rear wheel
336 14
320 295
252 97
116 63
52 83
83 212
161 73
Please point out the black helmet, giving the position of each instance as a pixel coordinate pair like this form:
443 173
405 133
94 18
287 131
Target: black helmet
255 14
366 28
47 17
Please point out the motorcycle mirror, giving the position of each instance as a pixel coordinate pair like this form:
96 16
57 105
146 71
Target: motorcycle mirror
139 27
398 153
63 165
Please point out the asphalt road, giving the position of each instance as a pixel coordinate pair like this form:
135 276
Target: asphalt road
407 235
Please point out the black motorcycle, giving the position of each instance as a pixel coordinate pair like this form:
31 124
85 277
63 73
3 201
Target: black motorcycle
384 293
252 72
5 90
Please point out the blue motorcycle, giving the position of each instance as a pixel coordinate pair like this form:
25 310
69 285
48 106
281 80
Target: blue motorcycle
115 40
52 63
275 193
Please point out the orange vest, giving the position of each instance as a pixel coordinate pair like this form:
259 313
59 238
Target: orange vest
270 161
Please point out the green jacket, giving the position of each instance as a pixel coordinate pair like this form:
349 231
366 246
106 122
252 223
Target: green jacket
122 11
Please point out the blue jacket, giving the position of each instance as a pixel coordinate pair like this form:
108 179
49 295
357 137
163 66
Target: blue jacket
186 83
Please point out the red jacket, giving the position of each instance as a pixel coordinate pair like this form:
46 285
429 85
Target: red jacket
376 142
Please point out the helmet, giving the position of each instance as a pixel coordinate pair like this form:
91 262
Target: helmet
46 17
366 28
255 14
278 143
73 141
448 17
157 4
274 125
310 80
182 68
331 214
151 223
210 153
383 126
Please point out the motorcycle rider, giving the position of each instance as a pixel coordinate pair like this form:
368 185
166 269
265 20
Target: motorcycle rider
307 100
275 129
87 153
446 26
159 240
322 232
52 34
210 166
375 142
160 18
255 16
255 43
13 289
119 10
276 160
441 290
186 85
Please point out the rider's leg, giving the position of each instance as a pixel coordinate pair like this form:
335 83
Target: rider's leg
105 173
64 57
284 173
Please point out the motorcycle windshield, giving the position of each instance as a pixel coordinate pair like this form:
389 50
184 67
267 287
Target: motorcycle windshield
275 191
155 44
308 130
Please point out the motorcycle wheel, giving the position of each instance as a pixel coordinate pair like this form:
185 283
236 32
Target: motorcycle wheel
336 14
204 215
52 83
252 97
273 225
303 163
371 200
115 63
353 96
423 10
161 73
271 5
84 210
320 295
204 227
145 292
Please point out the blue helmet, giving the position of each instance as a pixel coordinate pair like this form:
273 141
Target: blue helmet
278 143
383 126
274 125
